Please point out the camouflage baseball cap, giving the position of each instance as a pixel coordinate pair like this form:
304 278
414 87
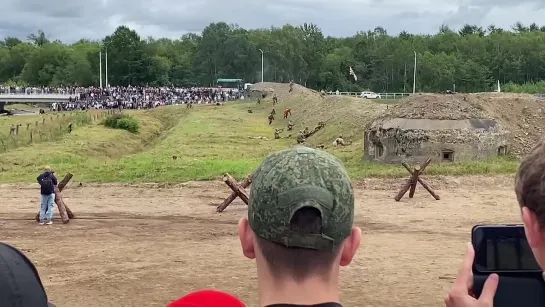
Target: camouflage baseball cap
300 177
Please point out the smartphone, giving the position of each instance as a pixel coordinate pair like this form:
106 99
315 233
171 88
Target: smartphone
502 249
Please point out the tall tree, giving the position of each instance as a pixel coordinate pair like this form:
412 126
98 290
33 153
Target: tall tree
470 57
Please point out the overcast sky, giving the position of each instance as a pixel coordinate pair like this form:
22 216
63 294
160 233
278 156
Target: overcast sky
70 20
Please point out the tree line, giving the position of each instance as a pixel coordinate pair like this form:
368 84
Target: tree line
472 58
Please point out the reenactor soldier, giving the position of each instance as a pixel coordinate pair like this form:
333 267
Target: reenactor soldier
275 99
290 126
277 133
300 137
70 128
306 131
258 100
291 86
273 112
339 141
322 93
12 130
250 110
287 112
271 118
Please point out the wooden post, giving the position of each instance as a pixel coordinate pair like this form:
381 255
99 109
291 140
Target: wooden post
414 180
246 183
422 182
236 187
60 205
65 181
415 177
17 129
407 185
27 126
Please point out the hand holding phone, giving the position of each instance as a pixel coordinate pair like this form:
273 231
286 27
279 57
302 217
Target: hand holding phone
461 294
504 250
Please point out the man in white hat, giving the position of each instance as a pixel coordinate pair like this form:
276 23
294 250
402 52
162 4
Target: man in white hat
47 181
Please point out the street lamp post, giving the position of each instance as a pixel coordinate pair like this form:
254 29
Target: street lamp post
106 72
100 67
262 70
414 74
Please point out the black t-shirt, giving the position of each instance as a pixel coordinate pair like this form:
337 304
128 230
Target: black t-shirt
317 305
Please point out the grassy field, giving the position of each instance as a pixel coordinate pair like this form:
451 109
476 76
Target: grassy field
91 152
178 144
19 106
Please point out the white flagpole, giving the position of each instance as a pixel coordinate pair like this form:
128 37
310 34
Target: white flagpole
106 72
100 68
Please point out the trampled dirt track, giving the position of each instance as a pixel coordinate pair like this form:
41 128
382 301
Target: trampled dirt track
145 245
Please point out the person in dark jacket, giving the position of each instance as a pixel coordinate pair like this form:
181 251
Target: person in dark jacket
47 181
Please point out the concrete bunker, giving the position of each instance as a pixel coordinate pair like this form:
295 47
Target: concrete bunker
393 140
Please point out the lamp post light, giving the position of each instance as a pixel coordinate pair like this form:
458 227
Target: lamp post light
262 70
414 74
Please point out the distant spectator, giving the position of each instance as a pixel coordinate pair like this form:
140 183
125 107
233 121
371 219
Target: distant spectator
20 284
207 298
47 181
300 228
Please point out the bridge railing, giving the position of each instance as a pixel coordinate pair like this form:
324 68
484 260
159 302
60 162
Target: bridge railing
34 91
382 95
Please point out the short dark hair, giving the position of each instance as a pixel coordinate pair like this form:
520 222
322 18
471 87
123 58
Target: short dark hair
299 263
530 182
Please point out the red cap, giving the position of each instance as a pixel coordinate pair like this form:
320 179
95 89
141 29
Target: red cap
207 298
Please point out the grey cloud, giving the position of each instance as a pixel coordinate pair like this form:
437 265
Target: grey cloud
75 19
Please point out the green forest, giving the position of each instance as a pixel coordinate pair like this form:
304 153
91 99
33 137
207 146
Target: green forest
471 58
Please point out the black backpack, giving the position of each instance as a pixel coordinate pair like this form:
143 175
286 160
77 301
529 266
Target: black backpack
47 183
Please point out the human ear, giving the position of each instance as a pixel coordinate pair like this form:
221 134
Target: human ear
246 237
532 228
350 246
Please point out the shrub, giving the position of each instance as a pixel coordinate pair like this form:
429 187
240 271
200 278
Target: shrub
122 121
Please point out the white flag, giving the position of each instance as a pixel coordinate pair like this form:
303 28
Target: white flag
352 73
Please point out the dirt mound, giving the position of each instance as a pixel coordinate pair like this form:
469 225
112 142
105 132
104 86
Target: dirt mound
282 91
343 115
438 106
521 114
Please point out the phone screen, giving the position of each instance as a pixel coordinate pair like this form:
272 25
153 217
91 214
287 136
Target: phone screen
502 248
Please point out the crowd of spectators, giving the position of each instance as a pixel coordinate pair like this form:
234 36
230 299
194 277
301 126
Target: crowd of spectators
130 97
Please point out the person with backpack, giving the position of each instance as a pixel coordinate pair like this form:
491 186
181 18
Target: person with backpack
47 182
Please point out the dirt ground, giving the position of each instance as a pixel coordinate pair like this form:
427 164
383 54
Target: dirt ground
146 245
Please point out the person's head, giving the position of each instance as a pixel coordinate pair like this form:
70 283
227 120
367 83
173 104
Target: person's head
530 191
207 298
48 169
300 217
20 284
